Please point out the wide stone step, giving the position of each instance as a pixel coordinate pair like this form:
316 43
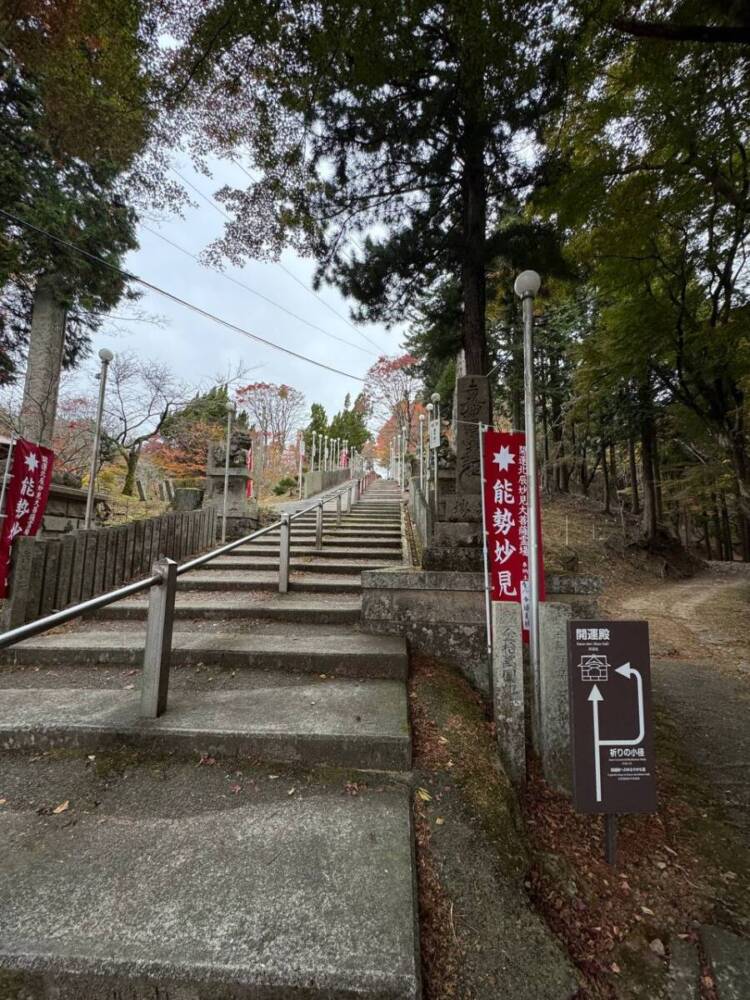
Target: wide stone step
233 580
342 722
301 527
327 552
219 605
303 539
261 895
297 566
334 651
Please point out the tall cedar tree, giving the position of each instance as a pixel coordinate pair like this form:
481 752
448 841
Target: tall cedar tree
412 116
77 112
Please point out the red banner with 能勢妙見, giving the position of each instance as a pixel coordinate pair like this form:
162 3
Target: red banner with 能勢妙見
25 499
506 520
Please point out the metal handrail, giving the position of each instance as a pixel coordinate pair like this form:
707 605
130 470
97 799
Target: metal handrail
31 629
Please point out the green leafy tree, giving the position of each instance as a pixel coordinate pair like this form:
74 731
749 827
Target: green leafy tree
74 116
350 424
319 424
418 134
663 127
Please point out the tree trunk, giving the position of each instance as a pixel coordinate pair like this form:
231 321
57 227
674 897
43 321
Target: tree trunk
720 554
726 529
649 522
548 470
474 213
635 506
707 535
605 473
132 458
656 462
564 468
46 343
613 466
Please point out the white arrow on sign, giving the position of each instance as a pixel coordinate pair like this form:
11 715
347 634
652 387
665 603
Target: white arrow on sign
595 697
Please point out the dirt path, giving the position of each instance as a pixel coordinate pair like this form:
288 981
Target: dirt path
705 618
700 640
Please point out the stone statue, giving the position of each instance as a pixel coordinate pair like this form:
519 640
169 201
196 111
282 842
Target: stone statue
242 512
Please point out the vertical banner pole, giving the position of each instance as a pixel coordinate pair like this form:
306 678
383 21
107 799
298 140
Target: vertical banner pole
230 414
421 452
299 491
487 597
6 473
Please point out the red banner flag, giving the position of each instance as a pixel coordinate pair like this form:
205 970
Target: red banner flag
25 499
506 520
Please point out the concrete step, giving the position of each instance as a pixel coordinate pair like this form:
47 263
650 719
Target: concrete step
262 548
332 650
233 580
301 540
208 893
341 722
217 604
297 566
307 528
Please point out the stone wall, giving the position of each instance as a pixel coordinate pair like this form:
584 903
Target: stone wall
443 613
319 481
48 574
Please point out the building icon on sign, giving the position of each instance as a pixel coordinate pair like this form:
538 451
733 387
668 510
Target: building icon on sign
594 668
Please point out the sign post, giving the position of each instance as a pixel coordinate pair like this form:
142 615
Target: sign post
25 498
507 517
611 721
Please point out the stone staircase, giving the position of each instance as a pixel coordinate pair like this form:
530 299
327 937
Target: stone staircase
281 867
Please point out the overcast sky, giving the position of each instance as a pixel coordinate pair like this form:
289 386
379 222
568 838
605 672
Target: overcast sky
199 348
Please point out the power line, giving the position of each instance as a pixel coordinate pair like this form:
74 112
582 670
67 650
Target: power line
292 275
175 298
253 291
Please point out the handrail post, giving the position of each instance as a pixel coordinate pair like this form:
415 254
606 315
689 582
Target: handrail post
347 497
319 527
156 658
338 510
284 535
355 488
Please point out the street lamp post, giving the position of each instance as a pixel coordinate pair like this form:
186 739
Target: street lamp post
421 452
404 449
105 356
301 447
230 415
435 397
526 286
430 408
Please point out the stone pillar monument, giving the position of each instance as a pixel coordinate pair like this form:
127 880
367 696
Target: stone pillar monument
242 513
457 541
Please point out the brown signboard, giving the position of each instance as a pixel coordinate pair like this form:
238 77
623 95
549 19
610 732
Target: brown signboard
610 717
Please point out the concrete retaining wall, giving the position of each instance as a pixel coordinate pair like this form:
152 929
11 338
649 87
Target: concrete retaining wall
48 574
443 613
319 481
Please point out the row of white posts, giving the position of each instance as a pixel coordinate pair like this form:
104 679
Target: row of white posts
328 452
427 450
